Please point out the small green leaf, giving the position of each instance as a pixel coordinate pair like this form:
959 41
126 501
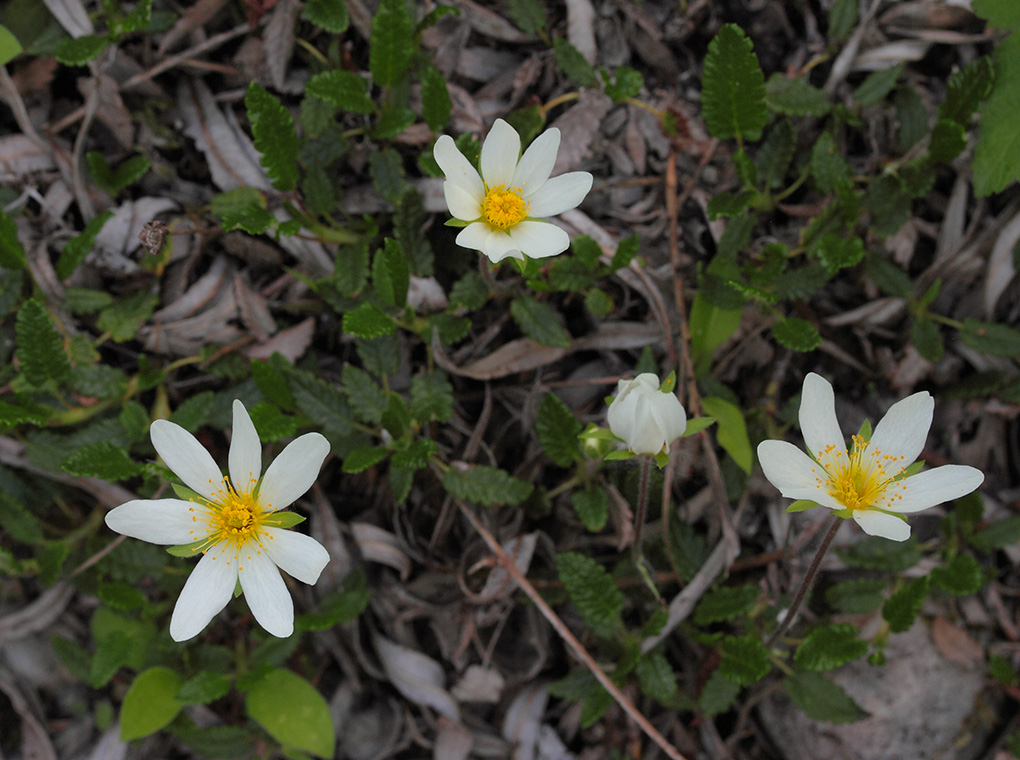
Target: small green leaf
276 139
961 577
351 272
202 688
997 155
592 507
998 535
10 48
902 607
592 591
18 522
718 694
830 170
842 18
40 352
284 519
366 398
12 253
79 246
431 397
731 430
416 455
78 52
539 322
726 603
150 704
745 660
626 83
967 89
733 87
293 712
992 338
821 699
328 15
485 485
271 423
392 43
625 252
243 207
101 459
829 646
801 505
558 430
529 15
342 88
948 140
1001 14
656 677
115 180
368 321
360 459
877 553
877 85
573 64
339 607
795 97
796 334
857 597
435 99
387 170
926 338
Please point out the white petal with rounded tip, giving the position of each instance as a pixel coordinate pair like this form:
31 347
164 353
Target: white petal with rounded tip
462 204
159 521
539 239
499 245
945 483
537 162
293 472
621 412
245 459
474 236
818 416
186 457
667 409
880 524
500 151
903 430
296 554
645 436
787 467
559 194
456 167
267 594
207 591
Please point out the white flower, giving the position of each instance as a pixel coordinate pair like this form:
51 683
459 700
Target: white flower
869 480
234 521
505 205
644 417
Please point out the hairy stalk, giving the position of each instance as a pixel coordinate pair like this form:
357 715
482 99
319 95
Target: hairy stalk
561 628
637 552
808 580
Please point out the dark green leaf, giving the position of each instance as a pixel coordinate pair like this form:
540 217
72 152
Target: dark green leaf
391 44
360 459
593 592
718 694
365 396
795 97
829 646
342 88
962 576
243 207
12 253
857 597
830 170
202 688
991 337
948 140
276 139
80 245
408 228
78 52
573 64
539 322
368 321
796 334
877 553
902 607
329 15
150 704
997 155
102 459
726 603
558 430
733 87
966 91
18 522
877 85
387 170
745 660
40 352
435 99
927 339
656 677
911 116
626 83
529 15
1001 14
431 397
842 18
998 535
592 507
485 485
821 699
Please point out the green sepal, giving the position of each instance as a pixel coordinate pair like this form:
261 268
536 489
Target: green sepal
592 431
667 385
456 223
188 550
662 458
185 493
846 514
237 588
284 519
865 431
697 424
801 505
621 454
911 469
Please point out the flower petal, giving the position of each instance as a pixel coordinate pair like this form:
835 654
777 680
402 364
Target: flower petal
559 194
621 412
474 236
159 521
645 437
880 524
207 591
245 459
267 594
462 204
537 162
296 554
795 474
188 459
926 489
818 418
669 412
293 472
499 245
539 239
457 168
903 430
500 151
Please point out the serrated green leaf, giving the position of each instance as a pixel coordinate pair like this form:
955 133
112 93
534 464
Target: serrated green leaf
877 85
470 291
717 695
573 64
360 459
123 318
997 155
842 18
276 139
795 97
992 338
830 170
829 646
417 455
598 302
40 351
998 535
821 699
592 507
731 431
966 90
24 411
391 44
80 245
726 603
656 677
431 397
948 140
408 224
387 170
626 83
900 609
365 396
745 660
202 688
730 204
796 334
328 15
391 266
342 88
351 271
1001 14
18 522
625 252
857 597
911 116
435 99
150 704
101 459
539 322
926 338
558 430
10 48
271 423
12 253
485 485
962 576
392 122
341 606
78 52
795 284
368 321
877 553
243 207
733 87
592 591
888 204
114 181
293 712
529 15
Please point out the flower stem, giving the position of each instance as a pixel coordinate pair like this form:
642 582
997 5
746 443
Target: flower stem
637 553
808 580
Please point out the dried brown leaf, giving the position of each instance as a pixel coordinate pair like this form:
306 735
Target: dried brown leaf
415 675
955 644
290 343
523 720
194 17
378 545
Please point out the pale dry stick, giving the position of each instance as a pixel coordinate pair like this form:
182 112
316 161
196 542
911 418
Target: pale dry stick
561 628
841 66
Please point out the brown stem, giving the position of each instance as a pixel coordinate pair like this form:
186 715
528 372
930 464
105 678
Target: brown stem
561 628
808 580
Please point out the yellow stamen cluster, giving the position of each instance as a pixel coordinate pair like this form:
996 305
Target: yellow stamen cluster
860 479
232 517
503 207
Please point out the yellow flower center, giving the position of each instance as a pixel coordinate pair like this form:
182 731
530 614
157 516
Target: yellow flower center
231 517
503 208
862 478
